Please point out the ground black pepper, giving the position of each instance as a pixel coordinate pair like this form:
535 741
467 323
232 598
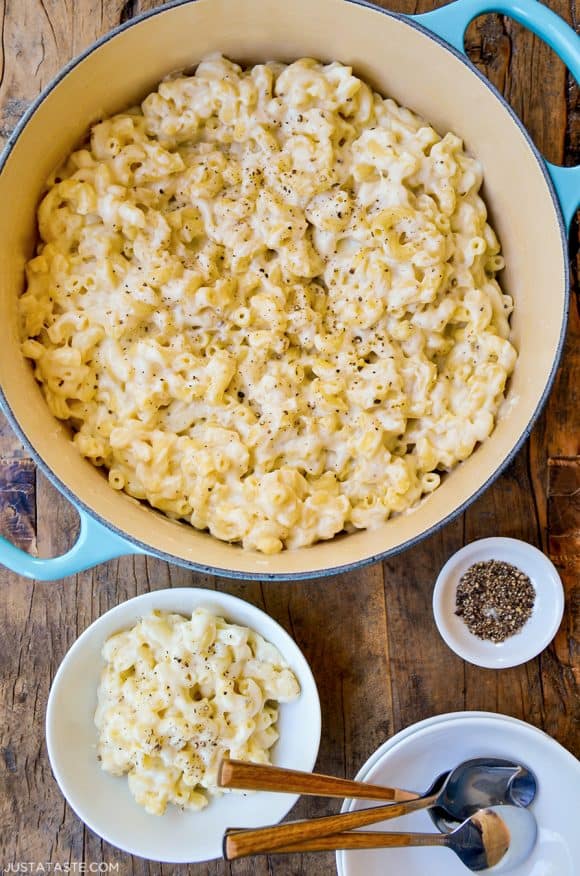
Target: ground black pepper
494 599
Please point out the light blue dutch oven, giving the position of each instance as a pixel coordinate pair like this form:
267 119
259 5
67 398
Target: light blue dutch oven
418 60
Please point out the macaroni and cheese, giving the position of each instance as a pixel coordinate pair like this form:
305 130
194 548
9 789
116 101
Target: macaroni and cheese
265 302
176 695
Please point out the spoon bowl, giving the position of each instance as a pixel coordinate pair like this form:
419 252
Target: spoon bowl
477 784
523 830
494 840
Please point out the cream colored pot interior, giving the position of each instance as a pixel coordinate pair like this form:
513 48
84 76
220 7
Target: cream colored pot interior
399 61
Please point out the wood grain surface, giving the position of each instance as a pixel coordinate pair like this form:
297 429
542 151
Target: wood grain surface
380 663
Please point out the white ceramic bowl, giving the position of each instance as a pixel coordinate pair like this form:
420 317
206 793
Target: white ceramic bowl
414 756
535 635
104 802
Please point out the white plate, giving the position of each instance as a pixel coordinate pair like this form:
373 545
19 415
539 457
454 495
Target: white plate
537 632
104 802
413 758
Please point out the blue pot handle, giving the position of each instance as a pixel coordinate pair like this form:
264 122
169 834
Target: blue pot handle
450 23
94 545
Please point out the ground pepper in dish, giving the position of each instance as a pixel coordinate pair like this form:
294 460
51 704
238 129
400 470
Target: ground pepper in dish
494 599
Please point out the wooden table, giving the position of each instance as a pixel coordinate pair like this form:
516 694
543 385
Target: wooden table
379 663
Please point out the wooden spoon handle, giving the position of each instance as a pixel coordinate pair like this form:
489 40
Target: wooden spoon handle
263 777
239 843
349 840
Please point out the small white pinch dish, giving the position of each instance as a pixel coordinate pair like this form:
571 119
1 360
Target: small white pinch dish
538 631
104 802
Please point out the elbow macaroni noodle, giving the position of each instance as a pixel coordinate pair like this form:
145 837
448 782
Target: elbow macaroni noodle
265 301
177 695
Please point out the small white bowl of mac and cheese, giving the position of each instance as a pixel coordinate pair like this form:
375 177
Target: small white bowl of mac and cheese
153 695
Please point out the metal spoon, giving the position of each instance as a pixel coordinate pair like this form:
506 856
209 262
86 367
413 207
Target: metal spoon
500 838
453 796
